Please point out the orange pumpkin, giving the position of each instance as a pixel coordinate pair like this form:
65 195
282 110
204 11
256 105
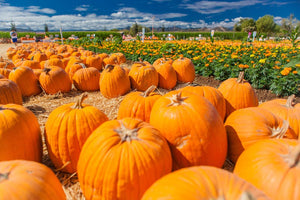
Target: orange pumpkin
9 92
6 64
248 125
54 62
287 110
86 79
193 128
202 182
20 136
33 64
167 77
5 71
138 104
213 95
121 159
120 57
238 94
71 69
40 56
273 166
162 60
94 61
185 70
27 180
26 80
114 81
54 80
142 76
67 129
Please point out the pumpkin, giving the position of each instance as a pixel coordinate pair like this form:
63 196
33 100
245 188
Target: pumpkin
33 64
121 159
273 166
55 80
67 129
20 136
142 76
26 180
138 104
111 60
40 56
37 72
120 57
202 182
162 60
73 60
238 94
86 79
94 61
9 92
185 70
213 95
246 126
167 77
71 69
5 71
55 62
26 80
6 64
114 81
287 110
10 53
192 127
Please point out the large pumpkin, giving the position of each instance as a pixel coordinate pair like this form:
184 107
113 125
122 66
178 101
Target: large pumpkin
202 182
20 136
86 79
10 92
121 159
185 70
238 94
142 76
55 80
193 128
248 125
287 110
167 77
114 81
138 104
94 61
67 129
27 180
213 95
273 166
26 80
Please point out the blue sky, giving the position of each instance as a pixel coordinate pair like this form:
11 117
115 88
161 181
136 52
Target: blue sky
100 15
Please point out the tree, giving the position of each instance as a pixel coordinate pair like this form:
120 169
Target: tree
245 25
13 26
266 24
46 28
135 28
289 24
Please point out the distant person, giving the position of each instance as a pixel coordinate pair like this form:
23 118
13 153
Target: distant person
14 36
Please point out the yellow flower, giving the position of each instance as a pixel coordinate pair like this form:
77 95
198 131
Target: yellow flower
252 55
233 56
298 65
262 61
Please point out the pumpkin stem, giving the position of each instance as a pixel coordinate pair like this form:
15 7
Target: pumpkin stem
127 134
4 176
109 67
293 157
149 90
280 131
82 65
177 99
246 196
290 101
240 78
78 104
47 70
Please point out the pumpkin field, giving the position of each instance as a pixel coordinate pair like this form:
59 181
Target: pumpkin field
150 120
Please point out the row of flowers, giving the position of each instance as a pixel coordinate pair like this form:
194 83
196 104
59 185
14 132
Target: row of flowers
267 65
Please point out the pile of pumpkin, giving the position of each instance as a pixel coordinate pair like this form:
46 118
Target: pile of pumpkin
169 146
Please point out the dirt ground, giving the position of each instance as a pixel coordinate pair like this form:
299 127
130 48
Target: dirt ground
42 105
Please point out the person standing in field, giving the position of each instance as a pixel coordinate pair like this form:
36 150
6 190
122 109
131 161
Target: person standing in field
14 36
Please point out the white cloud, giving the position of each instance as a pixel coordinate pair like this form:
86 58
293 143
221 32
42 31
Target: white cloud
212 7
37 9
82 8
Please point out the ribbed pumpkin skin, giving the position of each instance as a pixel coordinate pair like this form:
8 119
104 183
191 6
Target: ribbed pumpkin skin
94 61
27 180
238 94
193 128
109 168
185 70
142 76
137 105
286 111
213 95
33 64
247 126
114 81
55 62
67 129
120 57
87 79
273 167
167 77
20 136
10 92
5 72
55 79
25 78
201 182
